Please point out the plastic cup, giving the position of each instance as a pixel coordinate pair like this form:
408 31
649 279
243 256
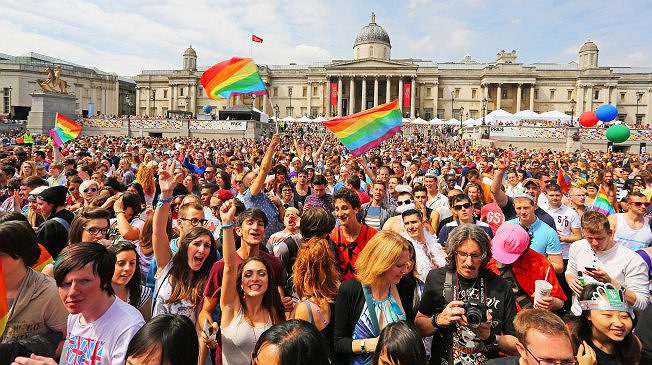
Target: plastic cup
542 289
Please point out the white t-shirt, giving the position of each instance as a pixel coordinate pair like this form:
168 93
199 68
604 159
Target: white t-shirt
622 264
429 255
566 219
103 341
163 290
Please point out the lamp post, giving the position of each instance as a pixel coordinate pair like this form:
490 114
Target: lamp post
484 109
277 113
452 103
572 101
290 94
461 116
638 101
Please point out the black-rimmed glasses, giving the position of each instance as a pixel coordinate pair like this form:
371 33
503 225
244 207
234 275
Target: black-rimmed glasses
550 361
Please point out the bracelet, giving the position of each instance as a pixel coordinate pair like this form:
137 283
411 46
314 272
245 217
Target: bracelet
165 200
227 226
119 212
433 320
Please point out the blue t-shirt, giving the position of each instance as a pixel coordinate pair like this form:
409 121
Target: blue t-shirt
262 202
544 239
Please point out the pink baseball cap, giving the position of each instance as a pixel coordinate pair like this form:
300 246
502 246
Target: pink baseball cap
510 241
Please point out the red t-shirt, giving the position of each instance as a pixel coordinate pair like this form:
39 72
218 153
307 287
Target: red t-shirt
214 282
364 197
348 252
492 215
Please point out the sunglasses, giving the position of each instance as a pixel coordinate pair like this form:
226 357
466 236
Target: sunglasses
95 230
92 190
640 204
401 202
72 189
194 221
466 205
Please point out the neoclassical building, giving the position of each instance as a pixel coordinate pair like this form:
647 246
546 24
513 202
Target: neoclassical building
426 89
108 93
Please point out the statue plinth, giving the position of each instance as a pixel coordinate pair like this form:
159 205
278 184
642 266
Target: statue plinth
45 106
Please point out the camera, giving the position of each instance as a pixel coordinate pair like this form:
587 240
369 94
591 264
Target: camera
476 312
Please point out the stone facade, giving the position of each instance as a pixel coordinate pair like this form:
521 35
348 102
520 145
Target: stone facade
464 89
110 93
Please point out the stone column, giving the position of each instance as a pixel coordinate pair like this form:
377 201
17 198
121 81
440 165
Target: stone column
170 97
376 91
648 113
400 94
435 99
532 97
589 104
264 109
499 95
339 97
328 102
351 95
324 103
388 90
308 99
149 101
363 101
580 99
607 94
518 98
412 98
193 98
138 95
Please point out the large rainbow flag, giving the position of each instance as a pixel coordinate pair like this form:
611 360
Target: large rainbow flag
601 203
367 129
4 308
233 77
563 180
64 130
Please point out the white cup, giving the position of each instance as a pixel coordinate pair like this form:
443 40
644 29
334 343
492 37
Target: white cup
542 289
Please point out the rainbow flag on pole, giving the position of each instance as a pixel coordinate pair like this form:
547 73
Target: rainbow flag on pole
367 129
602 204
233 77
64 130
563 180
4 308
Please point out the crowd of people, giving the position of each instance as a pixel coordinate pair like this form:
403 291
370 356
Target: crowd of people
289 250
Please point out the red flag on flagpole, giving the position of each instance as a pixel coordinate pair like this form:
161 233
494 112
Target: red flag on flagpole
256 39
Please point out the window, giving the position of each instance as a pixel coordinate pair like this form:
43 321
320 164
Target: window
165 94
428 113
596 94
428 91
552 94
639 118
457 93
315 90
275 91
305 91
289 110
441 92
474 114
181 91
304 111
153 94
5 100
621 117
503 93
536 94
569 95
314 111
440 113
474 93
622 97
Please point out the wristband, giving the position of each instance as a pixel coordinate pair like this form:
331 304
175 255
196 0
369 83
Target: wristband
119 212
433 320
165 200
227 226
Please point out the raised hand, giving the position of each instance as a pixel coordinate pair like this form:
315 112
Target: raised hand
503 162
227 212
166 177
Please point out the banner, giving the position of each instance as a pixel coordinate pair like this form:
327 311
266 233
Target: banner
334 94
407 94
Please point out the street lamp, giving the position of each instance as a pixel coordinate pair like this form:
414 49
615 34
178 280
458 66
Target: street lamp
461 115
452 103
484 109
572 101
290 95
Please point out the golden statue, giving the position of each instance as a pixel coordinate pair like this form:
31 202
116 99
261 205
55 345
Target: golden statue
54 81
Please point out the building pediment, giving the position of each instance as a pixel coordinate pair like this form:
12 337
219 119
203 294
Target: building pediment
370 63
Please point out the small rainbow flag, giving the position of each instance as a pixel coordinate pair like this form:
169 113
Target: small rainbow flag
563 180
233 77
4 308
602 204
64 130
367 129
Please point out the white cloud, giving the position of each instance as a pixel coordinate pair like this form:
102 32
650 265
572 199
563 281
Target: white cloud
462 38
637 58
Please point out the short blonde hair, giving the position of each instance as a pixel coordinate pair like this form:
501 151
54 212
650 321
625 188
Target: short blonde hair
378 255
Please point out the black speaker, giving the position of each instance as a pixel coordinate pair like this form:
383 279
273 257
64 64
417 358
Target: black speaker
610 146
643 148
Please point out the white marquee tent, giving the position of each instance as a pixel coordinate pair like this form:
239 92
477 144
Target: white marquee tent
527 115
555 115
498 115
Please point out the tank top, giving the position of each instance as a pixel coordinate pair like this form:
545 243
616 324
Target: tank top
634 239
239 339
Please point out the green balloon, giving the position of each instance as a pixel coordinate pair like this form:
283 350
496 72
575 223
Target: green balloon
618 133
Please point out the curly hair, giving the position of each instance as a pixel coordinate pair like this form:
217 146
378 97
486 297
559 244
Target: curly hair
315 273
462 233
145 177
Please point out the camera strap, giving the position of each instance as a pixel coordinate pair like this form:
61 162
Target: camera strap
456 288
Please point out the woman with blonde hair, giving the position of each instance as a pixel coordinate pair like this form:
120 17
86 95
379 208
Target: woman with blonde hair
27 169
315 280
145 177
381 265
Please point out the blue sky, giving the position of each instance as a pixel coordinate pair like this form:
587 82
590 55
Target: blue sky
126 36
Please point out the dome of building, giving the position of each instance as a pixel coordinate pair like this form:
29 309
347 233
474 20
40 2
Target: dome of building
372 33
588 46
190 52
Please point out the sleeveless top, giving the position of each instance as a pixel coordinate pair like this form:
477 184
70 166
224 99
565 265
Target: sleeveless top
387 311
634 239
239 339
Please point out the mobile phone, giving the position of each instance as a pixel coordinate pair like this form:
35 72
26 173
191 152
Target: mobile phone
590 268
207 330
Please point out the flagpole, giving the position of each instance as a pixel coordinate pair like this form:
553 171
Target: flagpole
251 48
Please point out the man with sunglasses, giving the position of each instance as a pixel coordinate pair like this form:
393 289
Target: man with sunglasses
463 210
632 229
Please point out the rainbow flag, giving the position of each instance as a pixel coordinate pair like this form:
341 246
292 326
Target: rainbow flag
4 308
563 180
367 129
64 130
233 77
602 204
44 259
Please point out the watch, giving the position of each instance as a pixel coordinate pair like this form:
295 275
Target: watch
433 320
362 345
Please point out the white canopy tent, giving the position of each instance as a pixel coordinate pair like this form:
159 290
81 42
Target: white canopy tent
420 121
498 115
555 115
319 119
288 119
453 122
436 121
406 121
304 119
527 115
469 122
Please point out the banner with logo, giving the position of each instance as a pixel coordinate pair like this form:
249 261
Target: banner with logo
407 94
334 93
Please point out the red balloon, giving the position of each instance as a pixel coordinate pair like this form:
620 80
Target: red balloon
588 119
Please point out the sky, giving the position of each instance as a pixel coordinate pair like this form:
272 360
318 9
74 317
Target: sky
128 36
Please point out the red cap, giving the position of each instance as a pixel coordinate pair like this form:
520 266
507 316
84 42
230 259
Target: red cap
224 194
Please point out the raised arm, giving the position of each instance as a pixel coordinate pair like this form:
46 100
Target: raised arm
363 161
125 229
496 185
265 166
297 147
56 154
229 302
315 155
160 239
